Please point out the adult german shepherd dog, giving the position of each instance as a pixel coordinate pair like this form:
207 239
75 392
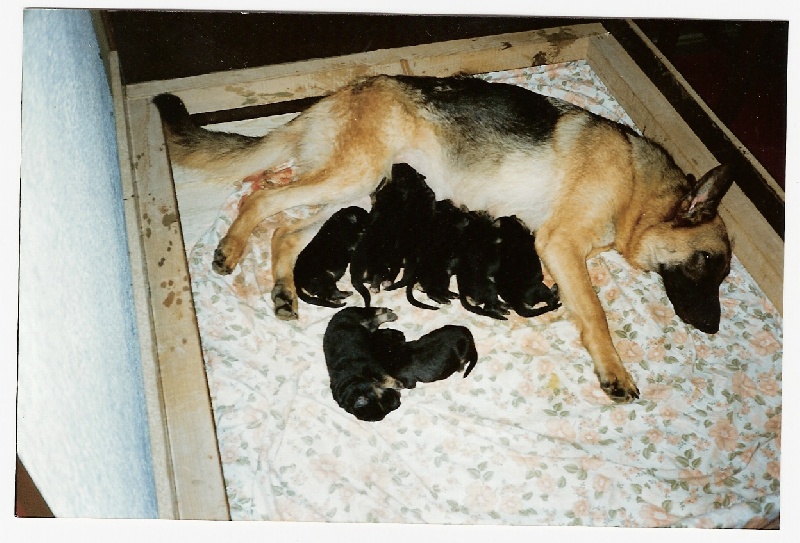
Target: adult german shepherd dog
582 184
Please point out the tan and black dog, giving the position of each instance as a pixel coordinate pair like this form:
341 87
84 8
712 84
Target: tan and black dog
582 184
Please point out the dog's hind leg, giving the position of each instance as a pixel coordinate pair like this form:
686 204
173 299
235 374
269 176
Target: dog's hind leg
310 189
565 258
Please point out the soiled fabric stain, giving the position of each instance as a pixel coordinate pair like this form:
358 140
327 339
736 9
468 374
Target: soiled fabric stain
169 219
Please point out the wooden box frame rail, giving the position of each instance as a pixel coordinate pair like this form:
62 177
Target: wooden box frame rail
187 466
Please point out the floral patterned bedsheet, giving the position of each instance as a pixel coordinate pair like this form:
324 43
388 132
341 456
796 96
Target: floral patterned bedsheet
528 438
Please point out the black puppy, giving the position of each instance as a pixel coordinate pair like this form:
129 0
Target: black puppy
478 264
359 383
439 256
402 210
324 260
520 278
388 344
433 357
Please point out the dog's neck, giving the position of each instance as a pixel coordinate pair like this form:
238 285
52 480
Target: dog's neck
658 186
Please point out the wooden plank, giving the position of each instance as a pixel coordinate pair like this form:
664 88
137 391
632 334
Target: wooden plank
199 485
756 243
159 445
291 81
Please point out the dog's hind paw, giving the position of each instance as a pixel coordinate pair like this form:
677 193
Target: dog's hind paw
227 256
285 302
219 265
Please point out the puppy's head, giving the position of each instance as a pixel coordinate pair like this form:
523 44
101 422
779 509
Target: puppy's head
512 228
350 225
370 402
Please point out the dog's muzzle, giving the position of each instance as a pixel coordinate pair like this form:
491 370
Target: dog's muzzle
703 313
695 304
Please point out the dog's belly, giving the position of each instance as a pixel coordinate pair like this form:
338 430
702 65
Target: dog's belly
524 184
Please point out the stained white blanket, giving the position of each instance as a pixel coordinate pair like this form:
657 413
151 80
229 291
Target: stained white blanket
528 437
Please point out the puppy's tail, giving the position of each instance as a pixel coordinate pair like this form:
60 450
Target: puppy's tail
472 355
364 291
413 301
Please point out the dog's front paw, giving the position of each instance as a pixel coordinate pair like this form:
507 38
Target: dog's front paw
227 255
285 302
619 387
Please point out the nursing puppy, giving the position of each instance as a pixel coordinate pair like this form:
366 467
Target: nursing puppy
520 278
439 256
435 356
402 209
324 260
359 383
581 183
478 265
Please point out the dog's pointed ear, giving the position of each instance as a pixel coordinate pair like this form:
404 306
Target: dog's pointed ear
700 204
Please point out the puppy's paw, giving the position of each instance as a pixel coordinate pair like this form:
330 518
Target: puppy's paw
444 300
227 255
341 294
285 302
384 314
496 313
619 387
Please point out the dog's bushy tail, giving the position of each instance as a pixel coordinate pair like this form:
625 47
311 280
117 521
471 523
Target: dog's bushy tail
174 114
192 145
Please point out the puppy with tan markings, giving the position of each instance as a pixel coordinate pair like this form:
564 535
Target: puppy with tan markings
581 183
359 383
435 356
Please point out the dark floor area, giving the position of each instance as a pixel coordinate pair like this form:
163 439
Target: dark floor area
737 67
163 45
